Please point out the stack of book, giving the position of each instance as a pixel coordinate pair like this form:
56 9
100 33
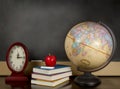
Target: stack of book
51 76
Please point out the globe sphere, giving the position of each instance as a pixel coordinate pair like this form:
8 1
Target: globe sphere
90 45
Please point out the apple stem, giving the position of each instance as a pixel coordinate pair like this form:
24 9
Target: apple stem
49 54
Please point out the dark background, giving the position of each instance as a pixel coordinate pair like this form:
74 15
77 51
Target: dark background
42 25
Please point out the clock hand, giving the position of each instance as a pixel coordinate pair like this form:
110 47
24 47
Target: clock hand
17 55
20 57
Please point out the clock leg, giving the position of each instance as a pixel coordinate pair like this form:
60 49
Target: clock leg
17 81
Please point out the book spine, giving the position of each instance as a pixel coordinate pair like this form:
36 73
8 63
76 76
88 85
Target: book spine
46 83
51 77
54 71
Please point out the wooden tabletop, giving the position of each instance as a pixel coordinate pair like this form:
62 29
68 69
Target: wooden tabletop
107 83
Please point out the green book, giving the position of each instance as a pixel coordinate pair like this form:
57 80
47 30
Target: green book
55 70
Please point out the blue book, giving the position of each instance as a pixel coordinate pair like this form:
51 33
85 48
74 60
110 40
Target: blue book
49 71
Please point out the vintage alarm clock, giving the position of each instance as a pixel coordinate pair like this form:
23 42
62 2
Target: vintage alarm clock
17 60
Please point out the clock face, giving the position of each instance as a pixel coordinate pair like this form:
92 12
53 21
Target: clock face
16 58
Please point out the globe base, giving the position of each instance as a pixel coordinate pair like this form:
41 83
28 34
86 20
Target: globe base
87 80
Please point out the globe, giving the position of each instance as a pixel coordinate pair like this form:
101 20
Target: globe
90 46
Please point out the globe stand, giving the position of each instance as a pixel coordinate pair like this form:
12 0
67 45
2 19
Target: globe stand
87 80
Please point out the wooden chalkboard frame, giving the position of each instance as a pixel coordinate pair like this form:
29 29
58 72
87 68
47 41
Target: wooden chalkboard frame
110 70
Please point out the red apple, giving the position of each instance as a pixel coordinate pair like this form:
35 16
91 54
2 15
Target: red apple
50 60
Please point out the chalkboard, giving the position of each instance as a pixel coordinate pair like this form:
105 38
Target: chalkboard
42 25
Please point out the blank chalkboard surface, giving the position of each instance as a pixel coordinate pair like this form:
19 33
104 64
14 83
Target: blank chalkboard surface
42 25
